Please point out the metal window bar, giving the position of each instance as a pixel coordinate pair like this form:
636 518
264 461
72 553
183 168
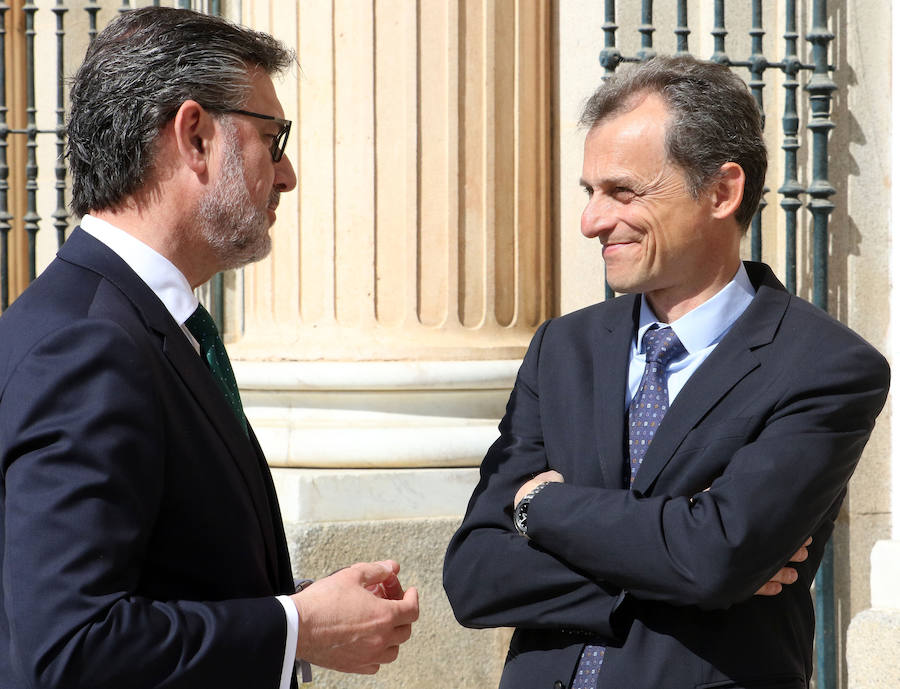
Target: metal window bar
5 216
820 87
31 218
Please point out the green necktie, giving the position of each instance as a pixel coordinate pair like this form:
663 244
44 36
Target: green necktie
204 330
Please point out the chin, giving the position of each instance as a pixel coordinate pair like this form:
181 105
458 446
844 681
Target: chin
622 286
239 256
629 281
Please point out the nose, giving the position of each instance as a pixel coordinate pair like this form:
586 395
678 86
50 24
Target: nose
285 179
597 216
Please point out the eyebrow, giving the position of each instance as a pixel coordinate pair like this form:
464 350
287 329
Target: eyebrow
616 181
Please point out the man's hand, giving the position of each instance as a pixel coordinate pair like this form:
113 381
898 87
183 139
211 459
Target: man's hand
390 588
355 619
527 487
785 575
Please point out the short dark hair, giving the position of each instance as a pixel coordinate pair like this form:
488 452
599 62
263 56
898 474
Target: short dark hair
135 75
713 119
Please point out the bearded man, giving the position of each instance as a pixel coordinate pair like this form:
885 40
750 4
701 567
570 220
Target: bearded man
141 543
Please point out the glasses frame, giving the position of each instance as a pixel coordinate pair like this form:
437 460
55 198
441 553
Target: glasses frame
280 141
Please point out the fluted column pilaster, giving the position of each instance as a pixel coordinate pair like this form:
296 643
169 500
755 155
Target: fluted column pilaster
420 228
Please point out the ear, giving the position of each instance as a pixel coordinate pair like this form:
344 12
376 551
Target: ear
727 191
193 129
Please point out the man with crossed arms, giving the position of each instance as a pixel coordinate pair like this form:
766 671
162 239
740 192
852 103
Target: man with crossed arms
672 461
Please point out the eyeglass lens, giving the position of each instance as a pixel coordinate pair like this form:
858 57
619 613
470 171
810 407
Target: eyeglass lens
279 143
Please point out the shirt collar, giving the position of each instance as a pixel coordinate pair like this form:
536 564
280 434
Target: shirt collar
706 324
160 275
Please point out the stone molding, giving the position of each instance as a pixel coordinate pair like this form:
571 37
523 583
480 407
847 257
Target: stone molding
375 414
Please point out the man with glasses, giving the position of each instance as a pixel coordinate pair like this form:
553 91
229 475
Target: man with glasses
141 543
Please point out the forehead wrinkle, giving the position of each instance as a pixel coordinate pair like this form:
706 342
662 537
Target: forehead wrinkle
663 178
636 177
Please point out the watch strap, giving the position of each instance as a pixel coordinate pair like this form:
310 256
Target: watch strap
520 515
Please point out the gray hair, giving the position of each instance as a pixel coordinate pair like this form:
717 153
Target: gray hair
713 119
136 75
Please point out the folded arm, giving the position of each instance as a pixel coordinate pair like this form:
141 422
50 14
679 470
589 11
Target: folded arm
716 547
495 577
772 587
681 545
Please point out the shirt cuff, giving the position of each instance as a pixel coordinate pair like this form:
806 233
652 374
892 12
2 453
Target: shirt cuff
288 666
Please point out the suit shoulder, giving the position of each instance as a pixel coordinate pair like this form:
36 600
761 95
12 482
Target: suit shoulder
610 311
583 327
64 292
576 336
65 298
804 318
812 339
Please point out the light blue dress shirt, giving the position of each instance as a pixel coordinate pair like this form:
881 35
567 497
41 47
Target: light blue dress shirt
699 330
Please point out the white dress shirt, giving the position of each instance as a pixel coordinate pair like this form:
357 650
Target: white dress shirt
169 284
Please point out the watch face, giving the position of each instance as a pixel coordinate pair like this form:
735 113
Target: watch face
521 517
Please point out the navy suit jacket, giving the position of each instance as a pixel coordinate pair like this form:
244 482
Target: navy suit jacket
663 574
140 538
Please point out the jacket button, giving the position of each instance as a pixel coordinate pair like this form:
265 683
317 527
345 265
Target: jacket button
558 685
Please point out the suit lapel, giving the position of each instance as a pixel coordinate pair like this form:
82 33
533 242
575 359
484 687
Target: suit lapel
84 250
245 454
729 362
613 333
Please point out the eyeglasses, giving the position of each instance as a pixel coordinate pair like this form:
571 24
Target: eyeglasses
280 140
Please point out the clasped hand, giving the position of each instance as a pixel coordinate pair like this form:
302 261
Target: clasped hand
355 619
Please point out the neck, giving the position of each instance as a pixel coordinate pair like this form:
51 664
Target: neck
672 303
163 233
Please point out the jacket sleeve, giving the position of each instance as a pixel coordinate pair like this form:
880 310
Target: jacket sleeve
82 482
715 547
495 577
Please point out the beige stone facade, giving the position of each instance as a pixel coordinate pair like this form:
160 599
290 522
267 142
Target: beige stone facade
436 224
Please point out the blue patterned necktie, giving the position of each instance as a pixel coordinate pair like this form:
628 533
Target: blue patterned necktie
650 404
204 330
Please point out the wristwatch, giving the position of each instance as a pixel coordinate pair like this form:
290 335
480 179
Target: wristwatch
520 516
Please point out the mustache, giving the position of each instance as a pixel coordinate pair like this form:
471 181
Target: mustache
274 199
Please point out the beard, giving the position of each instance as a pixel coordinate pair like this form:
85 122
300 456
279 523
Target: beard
234 229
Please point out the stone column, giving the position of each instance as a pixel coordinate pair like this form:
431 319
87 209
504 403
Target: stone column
377 346
422 146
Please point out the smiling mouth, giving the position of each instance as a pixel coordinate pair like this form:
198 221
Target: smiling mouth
612 249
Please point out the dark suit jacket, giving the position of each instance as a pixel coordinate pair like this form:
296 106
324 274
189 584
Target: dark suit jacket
140 538
772 423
